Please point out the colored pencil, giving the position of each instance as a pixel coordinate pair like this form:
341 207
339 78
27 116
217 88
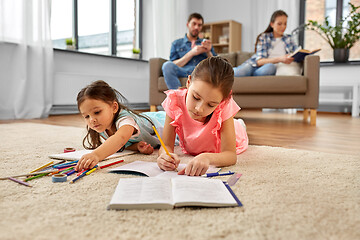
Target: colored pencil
77 178
162 143
37 176
81 172
61 164
19 181
70 172
91 171
110 164
42 167
65 165
30 174
67 170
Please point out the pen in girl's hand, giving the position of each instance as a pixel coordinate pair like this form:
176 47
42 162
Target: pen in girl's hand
217 174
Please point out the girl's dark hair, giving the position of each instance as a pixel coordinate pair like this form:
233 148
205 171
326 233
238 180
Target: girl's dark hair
276 14
218 72
100 90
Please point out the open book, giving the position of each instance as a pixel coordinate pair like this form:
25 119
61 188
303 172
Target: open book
167 193
299 54
72 156
151 169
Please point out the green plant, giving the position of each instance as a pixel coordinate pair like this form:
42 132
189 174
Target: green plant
344 34
69 41
136 50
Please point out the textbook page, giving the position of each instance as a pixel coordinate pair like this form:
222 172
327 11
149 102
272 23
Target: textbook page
72 156
201 192
141 193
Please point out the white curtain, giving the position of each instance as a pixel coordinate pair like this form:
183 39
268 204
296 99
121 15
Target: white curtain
26 59
263 9
169 22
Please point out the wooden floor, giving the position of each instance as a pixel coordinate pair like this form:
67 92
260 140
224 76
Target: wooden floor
333 133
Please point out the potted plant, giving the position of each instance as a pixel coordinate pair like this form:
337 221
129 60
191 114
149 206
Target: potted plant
136 53
70 44
342 36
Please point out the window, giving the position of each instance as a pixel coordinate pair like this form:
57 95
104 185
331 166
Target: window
97 26
318 10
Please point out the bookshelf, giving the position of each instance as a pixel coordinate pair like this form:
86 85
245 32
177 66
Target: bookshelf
225 36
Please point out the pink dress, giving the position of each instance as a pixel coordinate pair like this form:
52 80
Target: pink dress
196 137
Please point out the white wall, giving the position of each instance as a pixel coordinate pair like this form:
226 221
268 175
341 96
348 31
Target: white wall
73 71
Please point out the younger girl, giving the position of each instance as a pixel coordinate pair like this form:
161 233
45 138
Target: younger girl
202 117
271 47
111 126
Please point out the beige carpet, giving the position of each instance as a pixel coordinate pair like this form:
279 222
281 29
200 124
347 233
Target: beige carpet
287 194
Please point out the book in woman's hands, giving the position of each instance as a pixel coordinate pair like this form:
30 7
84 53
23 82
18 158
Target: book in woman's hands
167 193
299 54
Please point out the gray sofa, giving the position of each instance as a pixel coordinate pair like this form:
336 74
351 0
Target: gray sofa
257 92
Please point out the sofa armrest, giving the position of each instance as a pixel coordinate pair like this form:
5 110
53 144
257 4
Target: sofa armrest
312 72
155 65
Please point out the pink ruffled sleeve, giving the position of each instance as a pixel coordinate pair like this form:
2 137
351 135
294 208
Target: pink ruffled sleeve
229 110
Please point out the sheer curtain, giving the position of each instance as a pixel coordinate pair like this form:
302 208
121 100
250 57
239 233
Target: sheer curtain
266 9
169 23
26 59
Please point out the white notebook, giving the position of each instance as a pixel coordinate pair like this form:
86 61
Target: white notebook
151 169
72 156
167 193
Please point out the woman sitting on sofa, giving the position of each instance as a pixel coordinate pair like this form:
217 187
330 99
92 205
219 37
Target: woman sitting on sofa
271 47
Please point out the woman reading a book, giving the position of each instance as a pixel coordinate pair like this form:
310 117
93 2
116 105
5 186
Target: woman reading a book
271 47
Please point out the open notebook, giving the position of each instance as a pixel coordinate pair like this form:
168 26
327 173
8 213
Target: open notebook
167 193
72 156
151 169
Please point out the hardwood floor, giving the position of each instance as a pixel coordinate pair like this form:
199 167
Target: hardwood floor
333 133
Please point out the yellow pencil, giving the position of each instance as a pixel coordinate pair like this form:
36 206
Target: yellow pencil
42 167
162 143
89 172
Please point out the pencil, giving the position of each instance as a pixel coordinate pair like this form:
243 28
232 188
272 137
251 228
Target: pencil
110 164
89 172
37 176
30 174
162 143
19 181
42 167
77 178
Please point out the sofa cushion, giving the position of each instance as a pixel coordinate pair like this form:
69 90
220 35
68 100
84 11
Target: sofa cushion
162 85
229 56
256 85
241 57
270 84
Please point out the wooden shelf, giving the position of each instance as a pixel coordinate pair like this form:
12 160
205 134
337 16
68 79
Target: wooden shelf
227 31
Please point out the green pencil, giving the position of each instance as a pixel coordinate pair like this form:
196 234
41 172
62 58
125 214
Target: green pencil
37 176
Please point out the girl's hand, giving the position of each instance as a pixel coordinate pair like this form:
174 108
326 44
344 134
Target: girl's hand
87 161
145 148
167 163
197 166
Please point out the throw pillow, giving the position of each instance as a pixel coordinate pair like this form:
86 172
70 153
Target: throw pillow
292 69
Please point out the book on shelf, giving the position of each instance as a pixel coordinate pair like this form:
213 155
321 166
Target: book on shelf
76 155
151 169
299 54
168 193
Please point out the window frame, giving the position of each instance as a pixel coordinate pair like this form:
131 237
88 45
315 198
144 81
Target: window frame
339 12
113 27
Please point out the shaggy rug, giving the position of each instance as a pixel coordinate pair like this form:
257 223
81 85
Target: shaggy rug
287 194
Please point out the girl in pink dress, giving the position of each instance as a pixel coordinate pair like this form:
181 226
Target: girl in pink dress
202 115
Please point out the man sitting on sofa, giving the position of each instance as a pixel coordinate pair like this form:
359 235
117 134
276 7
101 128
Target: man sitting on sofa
187 52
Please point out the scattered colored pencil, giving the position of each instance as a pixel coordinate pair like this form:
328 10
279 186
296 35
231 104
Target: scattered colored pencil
42 167
61 164
70 172
30 174
67 170
37 176
81 172
77 178
19 181
110 164
65 165
91 171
